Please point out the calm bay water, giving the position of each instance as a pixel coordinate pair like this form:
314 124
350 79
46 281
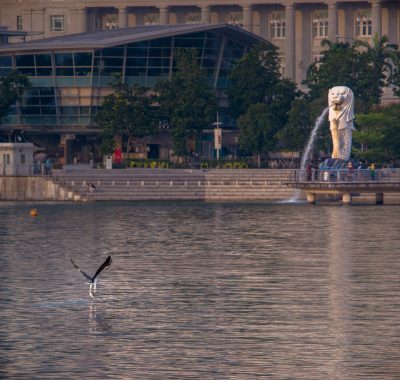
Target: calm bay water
200 291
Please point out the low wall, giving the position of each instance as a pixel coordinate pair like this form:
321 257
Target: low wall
33 188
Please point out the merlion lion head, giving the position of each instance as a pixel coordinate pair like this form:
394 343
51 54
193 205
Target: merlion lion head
340 97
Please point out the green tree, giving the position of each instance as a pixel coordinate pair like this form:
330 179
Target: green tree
256 79
12 86
187 101
257 131
294 134
392 131
127 112
363 67
368 138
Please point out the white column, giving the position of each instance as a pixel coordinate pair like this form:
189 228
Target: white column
123 17
164 15
290 43
205 14
376 12
247 17
332 22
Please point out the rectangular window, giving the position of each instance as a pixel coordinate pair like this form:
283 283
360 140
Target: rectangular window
110 21
278 24
6 159
364 23
23 159
56 23
320 24
192 18
235 18
152 19
19 23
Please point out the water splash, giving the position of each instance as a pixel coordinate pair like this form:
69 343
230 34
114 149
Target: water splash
311 140
306 156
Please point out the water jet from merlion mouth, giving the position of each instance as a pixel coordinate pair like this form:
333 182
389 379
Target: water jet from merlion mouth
311 139
307 151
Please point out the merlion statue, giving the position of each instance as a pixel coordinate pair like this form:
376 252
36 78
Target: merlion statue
341 116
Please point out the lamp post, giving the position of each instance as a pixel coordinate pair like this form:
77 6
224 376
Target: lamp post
217 136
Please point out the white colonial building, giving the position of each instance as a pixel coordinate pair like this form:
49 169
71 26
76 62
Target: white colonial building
296 27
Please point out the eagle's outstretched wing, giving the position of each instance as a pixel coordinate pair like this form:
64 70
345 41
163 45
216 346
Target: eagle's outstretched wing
103 266
86 275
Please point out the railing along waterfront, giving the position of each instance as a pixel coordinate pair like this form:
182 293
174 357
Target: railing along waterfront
343 175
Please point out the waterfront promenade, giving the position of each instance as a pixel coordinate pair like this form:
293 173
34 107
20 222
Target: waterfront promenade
79 183
346 184
82 184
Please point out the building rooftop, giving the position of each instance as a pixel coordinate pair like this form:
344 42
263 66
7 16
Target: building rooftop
107 38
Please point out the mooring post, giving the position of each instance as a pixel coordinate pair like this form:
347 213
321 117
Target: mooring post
346 198
379 198
311 197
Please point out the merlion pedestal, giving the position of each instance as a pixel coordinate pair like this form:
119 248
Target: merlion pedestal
341 116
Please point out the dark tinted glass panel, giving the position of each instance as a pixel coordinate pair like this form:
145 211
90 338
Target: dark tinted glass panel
188 43
48 110
5 70
113 52
12 110
113 62
209 62
160 42
137 52
159 52
48 100
5 61
135 72
83 71
211 52
32 92
27 71
213 43
136 61
65 71
83 59
44 71
24 60
85 110
154 72
43 59
32 101
112 70
69 110
30 110
233 45
46 91
64 59
159 62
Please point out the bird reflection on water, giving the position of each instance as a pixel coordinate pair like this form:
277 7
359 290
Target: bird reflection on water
97 323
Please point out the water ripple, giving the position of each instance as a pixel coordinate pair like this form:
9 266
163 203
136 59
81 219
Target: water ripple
200 291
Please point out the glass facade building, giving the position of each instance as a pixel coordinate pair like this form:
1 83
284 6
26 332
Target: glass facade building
68 85
70 75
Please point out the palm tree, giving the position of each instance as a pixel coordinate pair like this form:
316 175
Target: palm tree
383 56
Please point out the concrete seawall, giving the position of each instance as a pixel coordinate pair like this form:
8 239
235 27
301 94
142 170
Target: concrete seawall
177 184
33 188
148 184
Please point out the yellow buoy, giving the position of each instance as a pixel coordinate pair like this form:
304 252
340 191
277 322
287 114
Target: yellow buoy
33 212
